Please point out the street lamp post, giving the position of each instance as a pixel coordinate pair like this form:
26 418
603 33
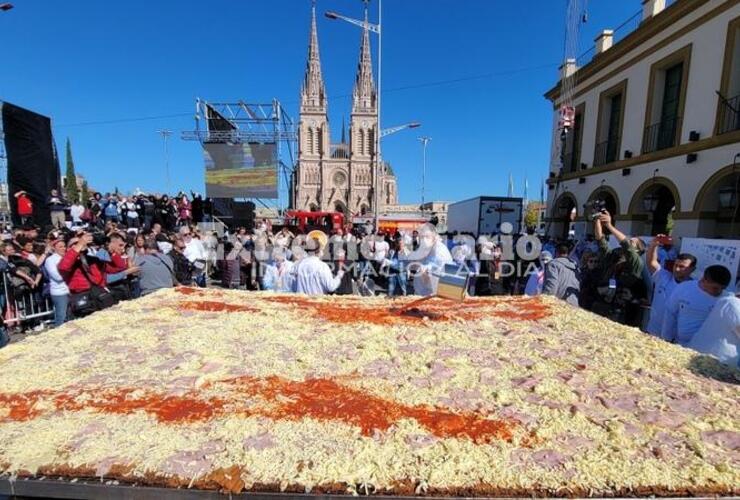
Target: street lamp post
424 141
165 137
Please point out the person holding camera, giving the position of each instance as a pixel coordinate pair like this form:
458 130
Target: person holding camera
85 276
664 280
622 287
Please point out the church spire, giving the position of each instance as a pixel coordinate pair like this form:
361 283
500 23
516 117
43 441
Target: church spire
313 93
364 95
344 132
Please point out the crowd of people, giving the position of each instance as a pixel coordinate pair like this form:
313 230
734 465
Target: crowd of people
92 256
117 248
646 286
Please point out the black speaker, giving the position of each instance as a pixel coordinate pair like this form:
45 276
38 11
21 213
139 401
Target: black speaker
244 214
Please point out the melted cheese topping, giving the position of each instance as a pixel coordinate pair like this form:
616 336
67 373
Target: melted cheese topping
505 392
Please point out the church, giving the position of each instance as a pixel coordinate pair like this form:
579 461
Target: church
339 177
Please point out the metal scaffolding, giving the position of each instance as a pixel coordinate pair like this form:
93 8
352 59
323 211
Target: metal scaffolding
243 122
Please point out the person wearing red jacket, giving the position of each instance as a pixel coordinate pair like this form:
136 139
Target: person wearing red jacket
25 207
77 270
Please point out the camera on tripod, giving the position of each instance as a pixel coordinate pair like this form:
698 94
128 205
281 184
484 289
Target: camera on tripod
597 207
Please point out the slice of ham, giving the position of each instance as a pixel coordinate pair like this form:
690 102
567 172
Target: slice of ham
521 417
723 439
670 420
212 447
421 382
440 371
525 362
526 383
549 459
187 464
210 367
626 403
449 353
259 442
483 359
379 368
691 406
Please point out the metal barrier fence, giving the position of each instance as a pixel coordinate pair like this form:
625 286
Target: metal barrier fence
22 306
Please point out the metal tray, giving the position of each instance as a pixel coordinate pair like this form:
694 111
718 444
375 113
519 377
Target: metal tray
95 489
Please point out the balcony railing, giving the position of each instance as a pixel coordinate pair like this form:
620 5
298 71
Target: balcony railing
662 135
729 115
606 152
571 160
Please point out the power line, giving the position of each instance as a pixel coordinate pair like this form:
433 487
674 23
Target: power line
124 120
403 88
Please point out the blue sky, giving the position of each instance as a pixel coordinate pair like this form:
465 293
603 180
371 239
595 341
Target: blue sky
87 61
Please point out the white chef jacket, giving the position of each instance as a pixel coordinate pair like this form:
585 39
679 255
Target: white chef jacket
314 277
720 333
425 283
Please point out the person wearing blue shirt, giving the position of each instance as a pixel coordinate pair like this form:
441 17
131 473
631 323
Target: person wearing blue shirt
691 302
663 281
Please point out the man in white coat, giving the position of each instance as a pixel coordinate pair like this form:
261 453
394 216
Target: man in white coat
432 256
312 275
720 333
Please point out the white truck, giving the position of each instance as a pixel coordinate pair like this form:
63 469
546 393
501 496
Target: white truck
484 215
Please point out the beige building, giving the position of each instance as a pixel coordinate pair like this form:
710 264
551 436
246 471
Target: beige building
657 125
339 176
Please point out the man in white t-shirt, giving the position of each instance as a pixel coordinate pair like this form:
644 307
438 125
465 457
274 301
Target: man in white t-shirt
720 333
380 248
690 304
665 281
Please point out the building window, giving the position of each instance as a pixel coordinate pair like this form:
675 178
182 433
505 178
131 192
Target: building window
728 111
572 150
666 101
610 124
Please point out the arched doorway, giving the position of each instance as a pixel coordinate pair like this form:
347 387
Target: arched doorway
364 209
656 201
313 207
607 196
340 207
717 205
564 212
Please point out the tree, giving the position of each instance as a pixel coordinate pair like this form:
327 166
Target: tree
72 193
531 215
85 194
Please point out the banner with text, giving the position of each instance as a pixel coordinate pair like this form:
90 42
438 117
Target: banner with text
710 252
